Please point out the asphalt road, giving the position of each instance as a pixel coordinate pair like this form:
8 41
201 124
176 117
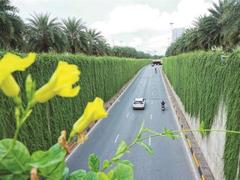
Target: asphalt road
170 160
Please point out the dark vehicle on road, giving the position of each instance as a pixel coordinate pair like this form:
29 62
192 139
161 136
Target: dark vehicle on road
163 105
156 62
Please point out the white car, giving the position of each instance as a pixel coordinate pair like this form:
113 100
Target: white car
139 103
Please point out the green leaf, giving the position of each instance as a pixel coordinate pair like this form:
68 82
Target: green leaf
29 87
14 162
91 176
102 176
121 150
82 175
122 172
146 147
77 175
66 173
105 165
110 174
140 132
169 133
126 162
147 130
17 100
202 128
93 163
51 163
17 115
15 176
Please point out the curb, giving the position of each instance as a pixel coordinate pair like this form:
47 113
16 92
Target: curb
196 154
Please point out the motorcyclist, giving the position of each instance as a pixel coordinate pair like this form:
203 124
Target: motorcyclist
163 103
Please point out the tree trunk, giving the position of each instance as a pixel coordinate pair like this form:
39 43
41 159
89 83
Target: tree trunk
73 49
45 49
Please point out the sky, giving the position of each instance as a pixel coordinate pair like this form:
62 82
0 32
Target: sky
143 24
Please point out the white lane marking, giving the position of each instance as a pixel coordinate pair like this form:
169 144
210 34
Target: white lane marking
127 115
149 141
150 116
116 139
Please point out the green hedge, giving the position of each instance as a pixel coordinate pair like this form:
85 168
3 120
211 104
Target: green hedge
202 80
100 76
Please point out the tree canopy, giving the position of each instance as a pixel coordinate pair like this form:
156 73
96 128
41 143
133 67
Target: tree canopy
219 29
43 33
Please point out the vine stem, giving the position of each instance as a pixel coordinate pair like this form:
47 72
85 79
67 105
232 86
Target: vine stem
157 134
208 130
22 120
16 134
19 124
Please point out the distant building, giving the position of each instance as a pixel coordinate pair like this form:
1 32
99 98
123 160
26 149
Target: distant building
176 33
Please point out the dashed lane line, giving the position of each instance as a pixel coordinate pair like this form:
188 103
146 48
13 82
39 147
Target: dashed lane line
116 139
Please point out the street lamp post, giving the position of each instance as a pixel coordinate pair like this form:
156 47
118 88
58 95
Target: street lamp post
171 27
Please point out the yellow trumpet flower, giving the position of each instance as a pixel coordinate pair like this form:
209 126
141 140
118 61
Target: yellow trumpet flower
9 64
61 83
93 112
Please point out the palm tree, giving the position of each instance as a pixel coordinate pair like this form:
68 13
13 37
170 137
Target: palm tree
11 26
44 34
192 39
207 32
231 25
74 30
102 48
220 29
95 42
218 9
218 12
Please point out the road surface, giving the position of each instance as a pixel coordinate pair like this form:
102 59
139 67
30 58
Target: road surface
170 160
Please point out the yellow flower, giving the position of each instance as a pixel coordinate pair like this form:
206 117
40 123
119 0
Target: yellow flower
61 83
9 64
93 112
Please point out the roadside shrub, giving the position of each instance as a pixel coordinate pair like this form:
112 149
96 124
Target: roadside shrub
202 80
100 76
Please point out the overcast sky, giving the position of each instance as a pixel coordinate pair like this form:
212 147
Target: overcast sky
143 24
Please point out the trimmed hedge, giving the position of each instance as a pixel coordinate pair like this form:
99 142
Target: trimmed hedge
202 80
100 76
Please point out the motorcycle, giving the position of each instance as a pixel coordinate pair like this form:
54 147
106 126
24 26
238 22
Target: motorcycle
163 107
